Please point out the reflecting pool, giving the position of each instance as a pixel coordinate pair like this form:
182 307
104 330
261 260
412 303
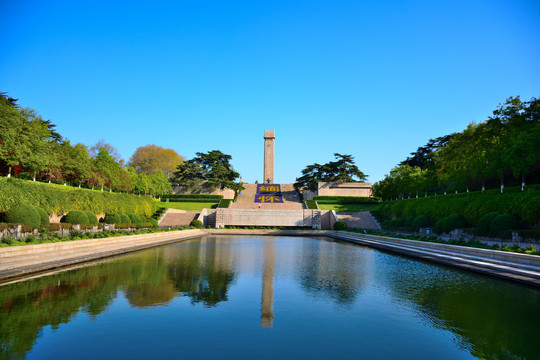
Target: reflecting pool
267 298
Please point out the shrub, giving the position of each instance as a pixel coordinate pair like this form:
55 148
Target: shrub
340 225
24 214
225 203
152 221
59 199
76 217
421 221
503 222
439 226
385 224
311 204
123 225
92 218
196 224
409 220
124 219
112 218
323 199
8 240
191 196
484 224
44 218
400 222
454 221
76 233
59 226
135 219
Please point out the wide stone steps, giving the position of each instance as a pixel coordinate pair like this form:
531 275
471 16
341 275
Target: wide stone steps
359 220
179 218
510 265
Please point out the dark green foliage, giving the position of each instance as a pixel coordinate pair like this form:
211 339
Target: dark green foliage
421 221
340 225
225 203
525 205
124 219
92 218
112 218
400 222
194 200
196 224
152 221
503 222
409 220
454 221
76 217
135 219
158 213
44 218
24 214
311 204
58 199
439 226
484 224
173 197
321 199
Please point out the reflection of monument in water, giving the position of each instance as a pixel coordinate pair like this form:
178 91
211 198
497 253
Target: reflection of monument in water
267 299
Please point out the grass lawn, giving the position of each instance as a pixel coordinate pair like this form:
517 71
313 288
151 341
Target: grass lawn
188 205
349 207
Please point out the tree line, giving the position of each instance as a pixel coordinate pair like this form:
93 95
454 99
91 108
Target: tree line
30 147
503 149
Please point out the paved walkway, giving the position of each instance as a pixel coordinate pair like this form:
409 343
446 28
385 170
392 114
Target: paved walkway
175 217
359 220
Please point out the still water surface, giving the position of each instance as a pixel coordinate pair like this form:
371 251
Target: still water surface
267 298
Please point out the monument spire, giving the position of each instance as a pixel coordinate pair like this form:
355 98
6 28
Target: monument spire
269 136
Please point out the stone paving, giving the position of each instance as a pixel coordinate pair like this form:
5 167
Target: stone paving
246 199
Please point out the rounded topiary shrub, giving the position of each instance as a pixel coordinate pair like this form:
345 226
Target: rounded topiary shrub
196 224
409 220
135 219
484 224
503 222
24 214
44 218
92 218
76 217
400 222
421 221
340 225
439 226
454 221
111 218
385 224
124 219
152 221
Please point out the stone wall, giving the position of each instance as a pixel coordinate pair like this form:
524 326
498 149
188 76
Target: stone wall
344 189
315 219
227 193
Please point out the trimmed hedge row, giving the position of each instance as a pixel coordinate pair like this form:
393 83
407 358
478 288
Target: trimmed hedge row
323 199
225 203
311 204
59 199
524 205
192 196
195 200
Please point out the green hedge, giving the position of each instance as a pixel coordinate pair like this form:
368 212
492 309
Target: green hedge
124 219
44 218
340 225
60 199
24 214
524 205
225 203
92 218
196 224
152 221
322 199
76 217
311 204
135 219
195 200
191 196
112 218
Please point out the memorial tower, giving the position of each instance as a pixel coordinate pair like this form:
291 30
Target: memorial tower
269 137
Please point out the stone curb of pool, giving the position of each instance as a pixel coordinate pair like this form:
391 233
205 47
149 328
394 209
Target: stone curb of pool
21 261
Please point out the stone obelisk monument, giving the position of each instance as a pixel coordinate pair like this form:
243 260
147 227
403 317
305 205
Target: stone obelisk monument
269 156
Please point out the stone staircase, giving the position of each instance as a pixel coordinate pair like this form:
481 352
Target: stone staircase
359 220
177 218
246 199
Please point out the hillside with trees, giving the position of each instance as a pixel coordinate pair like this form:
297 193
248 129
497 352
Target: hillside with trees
503 150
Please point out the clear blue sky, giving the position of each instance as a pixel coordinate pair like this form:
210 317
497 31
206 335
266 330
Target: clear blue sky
375 79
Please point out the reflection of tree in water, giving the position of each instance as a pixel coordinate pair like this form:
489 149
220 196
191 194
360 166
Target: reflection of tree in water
333 270
203 273
493 319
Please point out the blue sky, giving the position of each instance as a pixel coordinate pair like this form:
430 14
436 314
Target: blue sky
375 79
